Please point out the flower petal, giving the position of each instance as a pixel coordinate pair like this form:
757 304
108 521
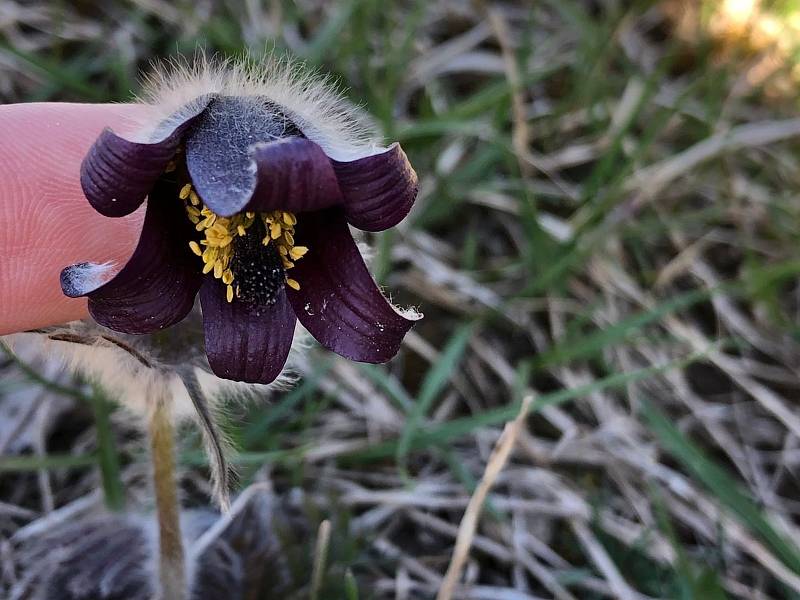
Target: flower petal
294 174
220 150
379 190
338 301
157 286
245 342
117 174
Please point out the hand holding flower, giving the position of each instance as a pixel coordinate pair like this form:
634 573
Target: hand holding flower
45 220
252 181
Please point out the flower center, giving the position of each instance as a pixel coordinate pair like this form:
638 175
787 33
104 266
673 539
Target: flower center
250 252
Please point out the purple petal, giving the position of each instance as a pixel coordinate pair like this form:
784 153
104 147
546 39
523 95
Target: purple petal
294 174
378 190
245 342
221 156
338 301
157 286
117 174
291 174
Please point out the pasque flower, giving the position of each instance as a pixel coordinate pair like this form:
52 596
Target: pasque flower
252 180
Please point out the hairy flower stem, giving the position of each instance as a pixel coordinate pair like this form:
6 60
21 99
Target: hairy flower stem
170 544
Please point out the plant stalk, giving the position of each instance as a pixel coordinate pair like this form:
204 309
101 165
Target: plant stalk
172 573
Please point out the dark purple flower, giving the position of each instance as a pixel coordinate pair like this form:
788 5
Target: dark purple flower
247 208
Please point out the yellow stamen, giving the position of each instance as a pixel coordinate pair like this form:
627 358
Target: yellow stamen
298 252
220 227
216 247
209 254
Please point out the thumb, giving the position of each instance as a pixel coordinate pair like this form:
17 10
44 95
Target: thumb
46 223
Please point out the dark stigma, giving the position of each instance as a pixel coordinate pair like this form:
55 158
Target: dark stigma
258 273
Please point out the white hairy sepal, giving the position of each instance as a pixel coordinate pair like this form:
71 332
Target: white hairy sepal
132 384
313 101
132 374
124 378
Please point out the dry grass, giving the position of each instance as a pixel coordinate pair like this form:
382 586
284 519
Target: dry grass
608 220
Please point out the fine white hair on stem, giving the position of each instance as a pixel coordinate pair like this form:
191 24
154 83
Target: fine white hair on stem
213 438
128 366
128 373
133 371
315 102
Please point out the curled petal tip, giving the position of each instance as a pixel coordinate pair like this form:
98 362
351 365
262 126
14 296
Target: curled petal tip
294 174
157 286
379 190
246 154
338 301
117 174
83 278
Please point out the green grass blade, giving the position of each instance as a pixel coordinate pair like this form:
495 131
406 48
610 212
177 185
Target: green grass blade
47 462
721 484
588 346
456 428
432 385
255 432
390 385
62 76
331 31
107 456
36 377
350 586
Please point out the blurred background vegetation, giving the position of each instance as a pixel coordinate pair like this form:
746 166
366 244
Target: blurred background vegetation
608 219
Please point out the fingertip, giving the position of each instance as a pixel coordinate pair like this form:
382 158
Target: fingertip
45 221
